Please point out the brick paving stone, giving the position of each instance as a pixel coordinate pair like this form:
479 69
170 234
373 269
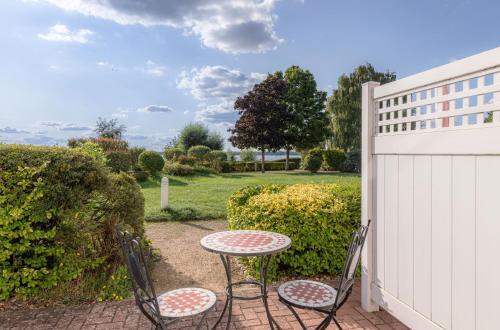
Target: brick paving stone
246 315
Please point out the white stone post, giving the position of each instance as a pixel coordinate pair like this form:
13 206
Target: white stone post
164 193
367 133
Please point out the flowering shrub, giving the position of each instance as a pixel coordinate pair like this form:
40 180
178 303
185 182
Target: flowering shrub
319 218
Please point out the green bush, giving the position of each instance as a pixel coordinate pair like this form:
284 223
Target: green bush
312 162
106 144
334 159
199 152
118 161
294 162
353 162
151 161
172 154
255 166
177 169
247 155
134 154
217 155
93 150
204 170
319 218
139 174
186 160
57 208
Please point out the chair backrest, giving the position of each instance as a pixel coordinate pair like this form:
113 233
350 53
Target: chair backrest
144 292
351 264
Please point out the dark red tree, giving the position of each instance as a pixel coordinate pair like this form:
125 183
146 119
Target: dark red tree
264 117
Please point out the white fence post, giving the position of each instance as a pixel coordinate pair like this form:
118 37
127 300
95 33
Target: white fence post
367 263
164 193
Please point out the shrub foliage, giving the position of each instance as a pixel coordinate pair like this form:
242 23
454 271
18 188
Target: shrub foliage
199 152
319 218
57 208
151 161
334 159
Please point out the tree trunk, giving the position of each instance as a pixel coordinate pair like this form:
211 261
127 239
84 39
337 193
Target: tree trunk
287 161
262 160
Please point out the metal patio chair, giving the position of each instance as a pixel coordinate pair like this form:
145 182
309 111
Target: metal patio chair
166 308
322 297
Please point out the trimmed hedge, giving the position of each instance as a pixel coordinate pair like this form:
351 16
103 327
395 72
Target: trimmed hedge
255 166
151 161
312 162
177 169
319 218
173 153
57 210
118 161
334 159
199 152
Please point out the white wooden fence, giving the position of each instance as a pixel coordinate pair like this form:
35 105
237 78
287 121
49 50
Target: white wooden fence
431 185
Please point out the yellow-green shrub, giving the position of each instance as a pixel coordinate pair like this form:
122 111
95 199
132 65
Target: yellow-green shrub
319 218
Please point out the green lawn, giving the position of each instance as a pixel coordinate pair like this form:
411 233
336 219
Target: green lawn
204 197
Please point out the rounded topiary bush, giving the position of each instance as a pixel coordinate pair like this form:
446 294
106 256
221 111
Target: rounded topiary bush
178 169
319 218
173 154
312 163
217 155
334 159
199 152
151 161
118 161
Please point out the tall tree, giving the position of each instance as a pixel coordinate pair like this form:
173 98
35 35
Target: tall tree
110 129
264 117
306 103
344 105
198 134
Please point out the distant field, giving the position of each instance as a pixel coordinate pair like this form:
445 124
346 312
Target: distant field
204 197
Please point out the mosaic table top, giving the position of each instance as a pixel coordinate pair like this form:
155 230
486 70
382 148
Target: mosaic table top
245 242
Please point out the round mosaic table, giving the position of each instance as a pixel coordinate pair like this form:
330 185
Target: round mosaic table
246 243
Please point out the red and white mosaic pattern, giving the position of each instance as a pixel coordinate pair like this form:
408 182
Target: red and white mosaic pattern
245 242
185 302
308 293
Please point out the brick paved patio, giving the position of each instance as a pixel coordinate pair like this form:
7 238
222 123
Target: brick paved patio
246 315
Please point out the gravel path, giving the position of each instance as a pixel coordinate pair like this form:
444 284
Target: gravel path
183 262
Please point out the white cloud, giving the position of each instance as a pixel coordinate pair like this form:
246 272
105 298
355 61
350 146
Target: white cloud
217 87
186 112
121 113
61 33
217 82
10 130
74 127
221 113
155 109
50 123
154 70
233 26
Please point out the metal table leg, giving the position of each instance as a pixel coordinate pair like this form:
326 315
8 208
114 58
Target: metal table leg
229 293
264 263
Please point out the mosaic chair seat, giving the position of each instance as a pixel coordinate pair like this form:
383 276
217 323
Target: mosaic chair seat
167 308
322 297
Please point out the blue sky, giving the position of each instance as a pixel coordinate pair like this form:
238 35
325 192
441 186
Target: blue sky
160 64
